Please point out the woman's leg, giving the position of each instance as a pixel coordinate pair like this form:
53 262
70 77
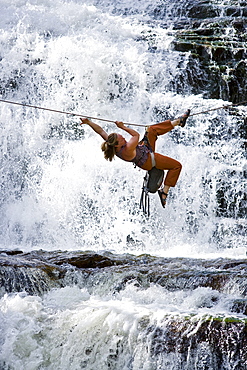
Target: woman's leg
173 168
162 128
156 130
171 165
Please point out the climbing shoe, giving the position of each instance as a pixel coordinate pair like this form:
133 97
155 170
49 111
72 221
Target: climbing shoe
183 118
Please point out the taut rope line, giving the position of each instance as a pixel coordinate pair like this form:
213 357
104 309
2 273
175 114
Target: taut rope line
223 107
107 120
54 110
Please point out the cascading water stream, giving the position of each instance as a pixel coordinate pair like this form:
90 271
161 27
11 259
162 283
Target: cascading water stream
136 62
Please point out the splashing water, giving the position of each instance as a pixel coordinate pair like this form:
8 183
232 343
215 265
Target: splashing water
57 190
113 60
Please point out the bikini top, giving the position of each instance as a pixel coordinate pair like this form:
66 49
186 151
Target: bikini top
142 152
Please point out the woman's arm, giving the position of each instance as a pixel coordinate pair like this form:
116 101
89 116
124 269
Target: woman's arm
99 130
132 143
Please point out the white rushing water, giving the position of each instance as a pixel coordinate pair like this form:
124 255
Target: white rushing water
69 329
58 192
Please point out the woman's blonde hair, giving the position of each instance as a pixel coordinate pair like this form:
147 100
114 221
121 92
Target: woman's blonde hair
108 147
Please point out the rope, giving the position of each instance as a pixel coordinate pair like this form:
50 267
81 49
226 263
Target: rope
56 111
107 120
223 107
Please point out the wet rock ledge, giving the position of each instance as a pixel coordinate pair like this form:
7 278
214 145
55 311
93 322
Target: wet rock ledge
215 36
210 342
39 271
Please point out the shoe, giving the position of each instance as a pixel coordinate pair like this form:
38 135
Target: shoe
183 118
162 199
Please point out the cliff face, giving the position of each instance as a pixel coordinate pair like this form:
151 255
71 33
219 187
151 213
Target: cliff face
214 33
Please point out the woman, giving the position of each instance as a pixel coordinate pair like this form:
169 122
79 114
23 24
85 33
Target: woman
143 153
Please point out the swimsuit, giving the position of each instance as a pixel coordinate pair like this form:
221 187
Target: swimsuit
141 157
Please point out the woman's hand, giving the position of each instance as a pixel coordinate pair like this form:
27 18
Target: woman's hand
119 124
99 130
84 121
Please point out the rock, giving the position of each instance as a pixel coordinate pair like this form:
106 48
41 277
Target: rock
215 37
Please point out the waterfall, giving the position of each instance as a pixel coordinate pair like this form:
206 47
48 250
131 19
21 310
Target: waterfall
119 68
140 63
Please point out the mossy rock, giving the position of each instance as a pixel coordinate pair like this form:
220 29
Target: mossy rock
218 55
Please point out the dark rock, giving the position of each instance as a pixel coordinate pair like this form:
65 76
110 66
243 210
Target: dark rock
39 271
91 260
239 25
239 306
221 54
211 344
215 36
233 11
11 252
203 10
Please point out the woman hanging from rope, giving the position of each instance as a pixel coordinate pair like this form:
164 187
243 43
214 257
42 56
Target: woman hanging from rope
142 153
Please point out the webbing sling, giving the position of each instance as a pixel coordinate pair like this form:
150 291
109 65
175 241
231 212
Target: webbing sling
151 183
144 201
152 180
